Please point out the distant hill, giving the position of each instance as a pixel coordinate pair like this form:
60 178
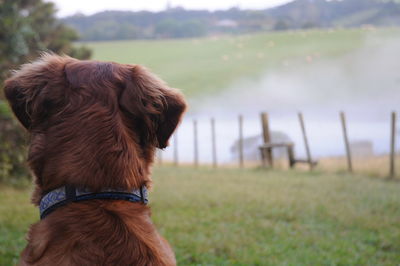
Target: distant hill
180 23
345 13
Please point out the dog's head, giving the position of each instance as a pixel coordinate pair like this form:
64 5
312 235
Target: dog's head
99 120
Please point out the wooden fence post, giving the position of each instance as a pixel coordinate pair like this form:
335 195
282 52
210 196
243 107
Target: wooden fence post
267 153
176 155
393 145
213 143
241 159
303 130
160 156
292 160
196 147
346 142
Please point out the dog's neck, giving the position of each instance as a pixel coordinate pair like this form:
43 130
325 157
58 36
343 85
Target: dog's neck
90 156
68 194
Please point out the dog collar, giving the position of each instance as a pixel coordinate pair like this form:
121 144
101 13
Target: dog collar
64 195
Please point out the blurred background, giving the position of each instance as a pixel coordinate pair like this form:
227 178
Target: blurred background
301 62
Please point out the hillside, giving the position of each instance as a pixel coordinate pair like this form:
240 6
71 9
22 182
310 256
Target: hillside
180 23
205 66
347 13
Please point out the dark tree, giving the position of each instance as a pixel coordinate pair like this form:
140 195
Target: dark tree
29 27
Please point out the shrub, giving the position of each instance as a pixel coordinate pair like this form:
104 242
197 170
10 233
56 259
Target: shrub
13 169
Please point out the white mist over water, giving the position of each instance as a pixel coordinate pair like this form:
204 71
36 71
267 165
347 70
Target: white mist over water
365 84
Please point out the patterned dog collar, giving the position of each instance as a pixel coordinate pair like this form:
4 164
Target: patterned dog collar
64 195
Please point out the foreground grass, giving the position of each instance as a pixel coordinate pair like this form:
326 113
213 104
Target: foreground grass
254 217
208 65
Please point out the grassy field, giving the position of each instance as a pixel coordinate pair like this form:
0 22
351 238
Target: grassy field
204 66
254 217
374 167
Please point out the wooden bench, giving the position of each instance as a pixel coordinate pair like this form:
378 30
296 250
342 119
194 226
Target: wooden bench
266 153
267 157
268 146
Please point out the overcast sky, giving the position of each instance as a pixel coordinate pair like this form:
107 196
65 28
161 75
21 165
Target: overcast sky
70 7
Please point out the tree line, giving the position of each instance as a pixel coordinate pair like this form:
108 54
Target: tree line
181 23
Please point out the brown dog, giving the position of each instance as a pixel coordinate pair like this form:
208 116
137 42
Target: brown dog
95 126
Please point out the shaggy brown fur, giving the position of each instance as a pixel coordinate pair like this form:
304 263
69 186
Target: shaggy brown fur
94 125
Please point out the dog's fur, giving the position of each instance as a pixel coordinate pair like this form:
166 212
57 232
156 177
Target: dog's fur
94 125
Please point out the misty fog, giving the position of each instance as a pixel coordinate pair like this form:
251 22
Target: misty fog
364 83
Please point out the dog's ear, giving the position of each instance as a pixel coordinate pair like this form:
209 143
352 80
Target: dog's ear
151 102
18 101
174 108
28 90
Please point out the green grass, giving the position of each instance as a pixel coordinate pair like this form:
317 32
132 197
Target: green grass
205 66
254 217
16 213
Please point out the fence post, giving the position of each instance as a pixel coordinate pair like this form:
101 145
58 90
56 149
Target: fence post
213 143
292 160
303 130
241 161
160 156
393 145
346 142
176 155
266 154
196 148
